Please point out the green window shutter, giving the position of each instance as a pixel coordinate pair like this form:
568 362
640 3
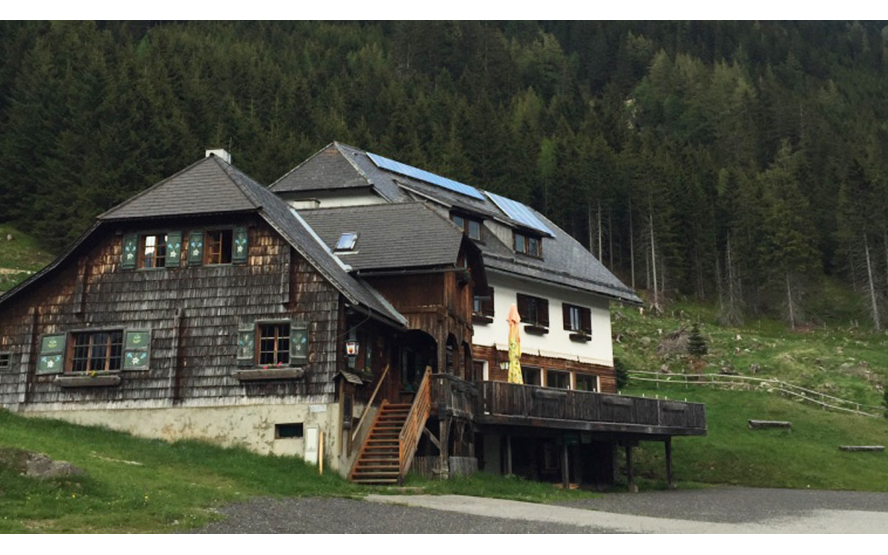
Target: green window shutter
136 349
173 249
298 343
130 251
52 354
195 248
241 245
246 345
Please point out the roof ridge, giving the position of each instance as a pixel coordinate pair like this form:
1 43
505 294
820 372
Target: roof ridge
281 178
358 169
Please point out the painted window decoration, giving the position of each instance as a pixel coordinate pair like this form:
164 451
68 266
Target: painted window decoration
195 248
241 245
152 251
577 319
130 252
534 311
52 354
137 347
272 344
531 245
173 249
99 351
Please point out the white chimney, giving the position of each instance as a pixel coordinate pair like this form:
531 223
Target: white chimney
219 152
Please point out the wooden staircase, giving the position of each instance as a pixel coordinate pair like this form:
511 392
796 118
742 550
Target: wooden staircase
379 461
387 453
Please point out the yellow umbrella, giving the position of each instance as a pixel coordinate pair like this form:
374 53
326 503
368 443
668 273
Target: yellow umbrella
514 346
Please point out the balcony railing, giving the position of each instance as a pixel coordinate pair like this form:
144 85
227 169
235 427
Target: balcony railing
493 402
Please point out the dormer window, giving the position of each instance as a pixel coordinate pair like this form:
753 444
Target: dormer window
470 226
531 245
346 242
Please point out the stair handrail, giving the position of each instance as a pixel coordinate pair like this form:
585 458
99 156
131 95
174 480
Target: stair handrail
408 439
370 403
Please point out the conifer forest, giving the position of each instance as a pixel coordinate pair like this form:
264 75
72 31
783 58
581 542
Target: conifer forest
738 163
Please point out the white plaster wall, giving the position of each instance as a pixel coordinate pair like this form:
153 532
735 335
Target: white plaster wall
327 200
249 426
557 342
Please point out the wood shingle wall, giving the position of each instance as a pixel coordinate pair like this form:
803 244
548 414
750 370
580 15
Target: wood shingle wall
193 313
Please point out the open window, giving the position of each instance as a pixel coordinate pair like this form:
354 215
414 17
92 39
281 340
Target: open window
152 251
482 308
578 321
534 312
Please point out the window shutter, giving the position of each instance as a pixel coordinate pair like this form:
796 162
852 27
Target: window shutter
195 248
52 354
586 315
136 347
565 315
130 253
241 246
522 306
543 312
174 249
298 343
246 345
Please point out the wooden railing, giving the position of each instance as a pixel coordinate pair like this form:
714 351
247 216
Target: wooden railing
456 396
408 439
728 381
505 399
369 404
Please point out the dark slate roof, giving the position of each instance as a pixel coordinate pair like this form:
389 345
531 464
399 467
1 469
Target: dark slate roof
202 188
337 166
212 186
390 236
565 262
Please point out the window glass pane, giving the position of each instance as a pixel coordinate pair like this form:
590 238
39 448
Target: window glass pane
574 318
585 382
531 375
459 221
519 243
346 241
474 229
533 246
274 344
560 380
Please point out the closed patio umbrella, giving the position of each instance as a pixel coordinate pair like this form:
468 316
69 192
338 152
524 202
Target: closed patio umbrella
514 346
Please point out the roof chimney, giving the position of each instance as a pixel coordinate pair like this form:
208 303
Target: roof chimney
220 153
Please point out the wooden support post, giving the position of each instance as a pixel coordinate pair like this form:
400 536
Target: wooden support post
565 470
508 455
444 435
670 482
630 481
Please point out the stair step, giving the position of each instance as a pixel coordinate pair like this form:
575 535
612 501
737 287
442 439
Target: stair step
368 469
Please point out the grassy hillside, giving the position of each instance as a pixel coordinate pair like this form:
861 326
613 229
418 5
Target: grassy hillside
807 456
19 257
836 357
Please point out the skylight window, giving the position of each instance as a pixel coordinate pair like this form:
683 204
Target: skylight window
346 242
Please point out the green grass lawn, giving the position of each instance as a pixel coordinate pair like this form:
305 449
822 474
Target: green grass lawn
807 456
23 253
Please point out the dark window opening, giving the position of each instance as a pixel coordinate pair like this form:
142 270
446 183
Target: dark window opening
97 351
586 382
218 247
288 431
531 375
577 319
5 360
471 227
531 245
152 251
556 379
274 344
483 305
534 311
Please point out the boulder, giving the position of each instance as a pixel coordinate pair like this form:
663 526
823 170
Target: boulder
37 465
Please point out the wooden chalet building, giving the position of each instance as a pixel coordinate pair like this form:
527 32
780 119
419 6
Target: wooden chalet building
354 310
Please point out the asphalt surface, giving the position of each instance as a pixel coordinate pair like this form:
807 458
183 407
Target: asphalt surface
729 510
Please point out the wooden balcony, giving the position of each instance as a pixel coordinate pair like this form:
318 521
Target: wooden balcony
503 404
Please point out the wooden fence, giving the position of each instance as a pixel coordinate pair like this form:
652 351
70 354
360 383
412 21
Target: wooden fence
750 383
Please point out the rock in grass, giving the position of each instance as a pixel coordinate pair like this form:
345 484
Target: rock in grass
37 465
758 424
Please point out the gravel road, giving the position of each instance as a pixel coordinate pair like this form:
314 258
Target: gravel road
730 510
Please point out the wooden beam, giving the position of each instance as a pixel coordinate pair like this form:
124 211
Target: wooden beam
630 480
670 482
565 471
432 438
508 455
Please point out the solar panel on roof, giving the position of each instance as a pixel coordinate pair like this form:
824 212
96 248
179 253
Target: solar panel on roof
422 175
519 213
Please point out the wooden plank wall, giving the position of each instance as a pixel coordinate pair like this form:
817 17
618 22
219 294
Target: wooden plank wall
90 291
607 376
